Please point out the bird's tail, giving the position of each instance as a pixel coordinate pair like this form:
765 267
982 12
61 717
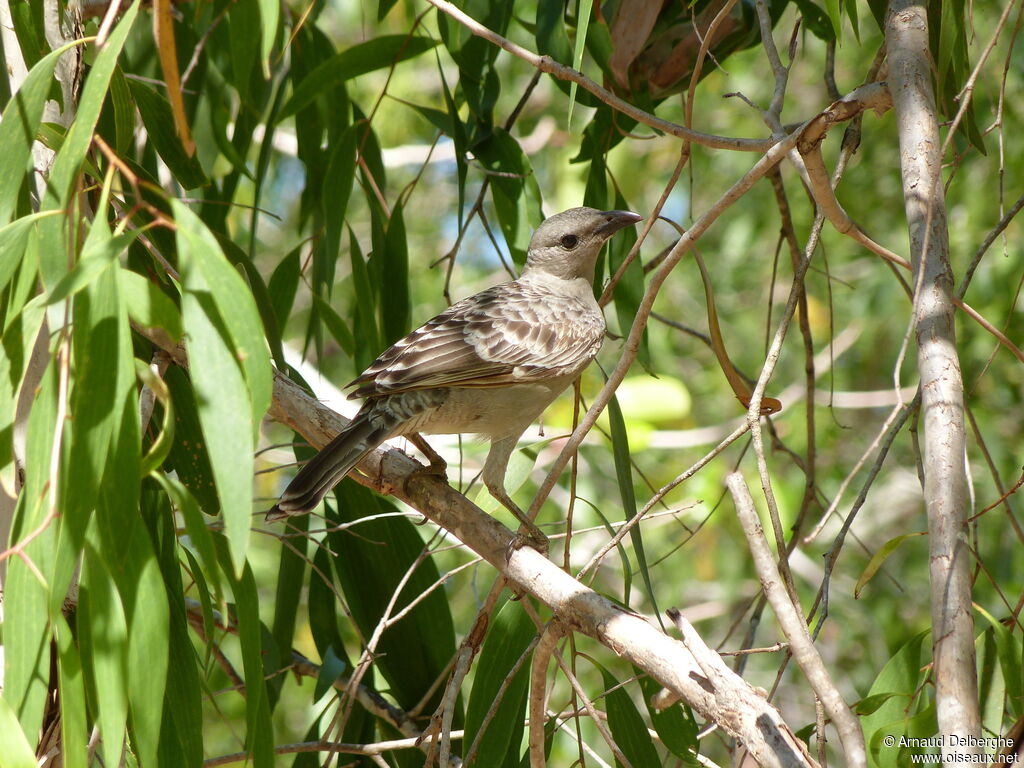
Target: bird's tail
367 430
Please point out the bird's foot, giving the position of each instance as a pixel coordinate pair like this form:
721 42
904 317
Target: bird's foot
437 465
433 469
528 536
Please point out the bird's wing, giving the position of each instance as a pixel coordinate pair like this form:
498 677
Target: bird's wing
506 334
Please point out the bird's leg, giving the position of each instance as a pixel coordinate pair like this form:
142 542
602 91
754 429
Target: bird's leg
494 479
437 465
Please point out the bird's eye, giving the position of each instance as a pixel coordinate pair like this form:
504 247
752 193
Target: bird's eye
569 242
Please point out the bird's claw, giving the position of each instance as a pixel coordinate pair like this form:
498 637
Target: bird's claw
528 536
438 469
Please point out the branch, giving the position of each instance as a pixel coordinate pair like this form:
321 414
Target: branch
942 401
562 72
734 705
794 626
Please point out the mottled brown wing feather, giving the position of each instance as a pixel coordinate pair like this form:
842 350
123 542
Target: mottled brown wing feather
509 333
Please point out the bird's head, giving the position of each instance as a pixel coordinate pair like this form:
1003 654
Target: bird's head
567 244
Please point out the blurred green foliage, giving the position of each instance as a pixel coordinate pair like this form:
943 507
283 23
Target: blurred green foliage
359 165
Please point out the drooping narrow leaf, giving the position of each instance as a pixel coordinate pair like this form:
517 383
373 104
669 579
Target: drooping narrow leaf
76 144
158 118
235 302
259 733
26 627
337 188
17 752
270 16
74 720
290 577
370 563
244 28
584 9
283 285
230 370
508 636
21 118
365 57
104 640
182 730
395 304
627 726
148 305
624 476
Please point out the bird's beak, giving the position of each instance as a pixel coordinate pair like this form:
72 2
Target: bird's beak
616 220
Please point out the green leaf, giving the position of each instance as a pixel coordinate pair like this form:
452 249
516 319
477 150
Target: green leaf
104 640
189 458
284 284
209 269
584 9
879 558
1009 649
266 327
323 615
198 533
259 732
73 152
161 446
336 325
366 331
870 704
371 562
629 291
624 475
182 727
123 107
508 637
290 577
148 305
270 15
159 121
244 37
457 133
14 242
514 189
900 678
26 627
99 252
99 354
330 671
365 57
79 136
337 187
835 15
74 727
992 684
21 119
17 752
675 725
230 370
395 306
627 726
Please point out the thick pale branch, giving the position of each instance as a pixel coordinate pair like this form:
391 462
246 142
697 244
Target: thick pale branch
731 703
942 401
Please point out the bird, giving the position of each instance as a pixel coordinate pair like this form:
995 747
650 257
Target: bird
488 365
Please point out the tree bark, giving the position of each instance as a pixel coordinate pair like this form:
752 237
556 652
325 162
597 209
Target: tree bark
942 403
